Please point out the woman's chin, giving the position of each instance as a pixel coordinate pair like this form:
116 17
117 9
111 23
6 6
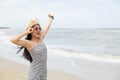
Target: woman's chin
38 36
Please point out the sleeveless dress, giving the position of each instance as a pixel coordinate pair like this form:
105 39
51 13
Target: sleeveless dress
38 67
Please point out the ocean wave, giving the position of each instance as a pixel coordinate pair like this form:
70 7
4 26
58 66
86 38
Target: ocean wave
91 56
70 53
5 38
2 32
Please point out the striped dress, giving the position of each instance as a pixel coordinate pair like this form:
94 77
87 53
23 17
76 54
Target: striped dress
38 68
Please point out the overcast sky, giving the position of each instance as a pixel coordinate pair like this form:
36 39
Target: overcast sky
68 13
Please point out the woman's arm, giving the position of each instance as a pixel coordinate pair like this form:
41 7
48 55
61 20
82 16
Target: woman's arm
16 40
44 32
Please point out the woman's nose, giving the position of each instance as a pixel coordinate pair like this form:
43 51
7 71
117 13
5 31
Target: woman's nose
38 29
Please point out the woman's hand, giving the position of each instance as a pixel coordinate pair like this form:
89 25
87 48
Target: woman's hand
29 30
51 16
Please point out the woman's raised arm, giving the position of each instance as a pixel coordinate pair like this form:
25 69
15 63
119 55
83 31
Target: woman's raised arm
44 32
17 40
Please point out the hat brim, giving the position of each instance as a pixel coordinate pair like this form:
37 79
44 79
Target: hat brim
32 22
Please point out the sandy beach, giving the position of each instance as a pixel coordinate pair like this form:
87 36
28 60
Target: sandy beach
10 70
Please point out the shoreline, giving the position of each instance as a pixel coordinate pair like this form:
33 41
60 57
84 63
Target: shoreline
10 70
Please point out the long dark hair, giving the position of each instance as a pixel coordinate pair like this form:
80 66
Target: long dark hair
26 53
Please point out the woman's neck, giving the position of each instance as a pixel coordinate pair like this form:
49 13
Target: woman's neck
35 39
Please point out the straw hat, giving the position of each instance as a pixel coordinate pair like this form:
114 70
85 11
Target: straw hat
32 22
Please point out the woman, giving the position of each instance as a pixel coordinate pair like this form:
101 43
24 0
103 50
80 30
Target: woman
34 48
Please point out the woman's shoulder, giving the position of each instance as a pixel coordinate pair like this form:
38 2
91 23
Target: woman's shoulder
28 42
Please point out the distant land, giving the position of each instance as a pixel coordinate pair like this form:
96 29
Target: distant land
4 27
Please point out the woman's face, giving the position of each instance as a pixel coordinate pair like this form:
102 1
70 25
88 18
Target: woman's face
36 30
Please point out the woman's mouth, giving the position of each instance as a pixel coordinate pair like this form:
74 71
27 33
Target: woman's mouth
38 33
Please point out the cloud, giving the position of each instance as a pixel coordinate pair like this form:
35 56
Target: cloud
10 3
57 4
67 13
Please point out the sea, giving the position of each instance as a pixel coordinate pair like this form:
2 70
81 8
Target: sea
90 53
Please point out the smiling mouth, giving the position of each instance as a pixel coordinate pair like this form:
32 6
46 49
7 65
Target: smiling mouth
38 33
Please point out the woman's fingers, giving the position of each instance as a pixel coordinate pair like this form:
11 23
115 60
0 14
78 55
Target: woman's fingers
29 30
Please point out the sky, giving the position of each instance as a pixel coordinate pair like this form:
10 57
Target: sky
67 13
